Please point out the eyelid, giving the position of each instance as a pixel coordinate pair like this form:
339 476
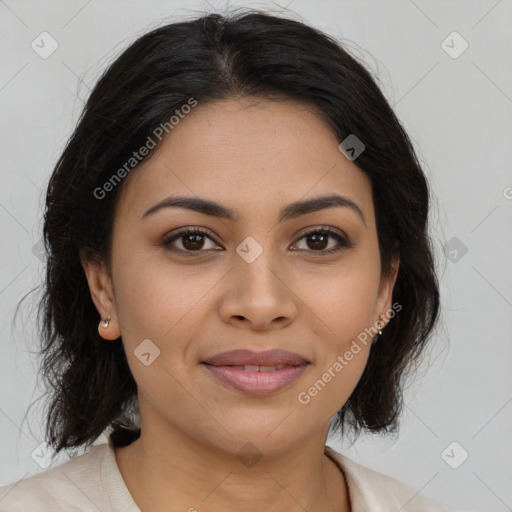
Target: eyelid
342 239
188 230
329 229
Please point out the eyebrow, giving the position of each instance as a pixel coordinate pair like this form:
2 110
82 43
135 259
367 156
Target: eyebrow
291 211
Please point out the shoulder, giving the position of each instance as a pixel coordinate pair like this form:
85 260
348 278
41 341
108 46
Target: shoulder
370 490
74 485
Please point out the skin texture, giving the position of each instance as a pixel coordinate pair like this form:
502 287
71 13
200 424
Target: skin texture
255 156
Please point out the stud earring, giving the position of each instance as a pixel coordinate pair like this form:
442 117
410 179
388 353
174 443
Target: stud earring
105 322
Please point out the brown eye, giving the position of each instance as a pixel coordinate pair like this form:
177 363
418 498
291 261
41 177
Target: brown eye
191 240
318 241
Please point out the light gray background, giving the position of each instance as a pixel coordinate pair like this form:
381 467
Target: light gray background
458 112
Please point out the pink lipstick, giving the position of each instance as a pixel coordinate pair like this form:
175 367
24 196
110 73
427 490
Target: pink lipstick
257 373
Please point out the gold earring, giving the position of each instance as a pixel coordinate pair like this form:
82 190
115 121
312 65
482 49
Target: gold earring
105 323
380 325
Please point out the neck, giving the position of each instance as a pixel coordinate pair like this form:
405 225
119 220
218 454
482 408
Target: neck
178 469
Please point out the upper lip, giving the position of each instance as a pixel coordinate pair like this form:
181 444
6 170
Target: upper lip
242 357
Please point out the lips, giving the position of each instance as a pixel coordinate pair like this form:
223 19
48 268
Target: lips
268 360
256 373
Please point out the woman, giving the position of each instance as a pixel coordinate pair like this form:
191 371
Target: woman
237 254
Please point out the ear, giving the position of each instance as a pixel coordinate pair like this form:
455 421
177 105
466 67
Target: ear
385 294
102 294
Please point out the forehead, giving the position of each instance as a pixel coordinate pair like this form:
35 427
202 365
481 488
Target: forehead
246 153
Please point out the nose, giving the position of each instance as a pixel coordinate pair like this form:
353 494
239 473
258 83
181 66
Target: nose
258 295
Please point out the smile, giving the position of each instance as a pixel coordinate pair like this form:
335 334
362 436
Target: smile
256 379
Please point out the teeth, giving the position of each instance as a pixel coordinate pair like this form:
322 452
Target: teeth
269 368
256 368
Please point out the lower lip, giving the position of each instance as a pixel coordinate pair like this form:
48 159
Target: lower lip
257 383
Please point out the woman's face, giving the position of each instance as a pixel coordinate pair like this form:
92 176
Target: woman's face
256 281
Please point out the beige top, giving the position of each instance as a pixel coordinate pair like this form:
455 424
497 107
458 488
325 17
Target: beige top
92 482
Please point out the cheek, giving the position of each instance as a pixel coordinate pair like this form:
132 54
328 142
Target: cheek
334 378
159 310
156 301
343 308
341 299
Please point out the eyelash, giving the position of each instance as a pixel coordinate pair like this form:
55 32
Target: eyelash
344 243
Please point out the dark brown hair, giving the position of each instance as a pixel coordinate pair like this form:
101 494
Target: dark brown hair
214 57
